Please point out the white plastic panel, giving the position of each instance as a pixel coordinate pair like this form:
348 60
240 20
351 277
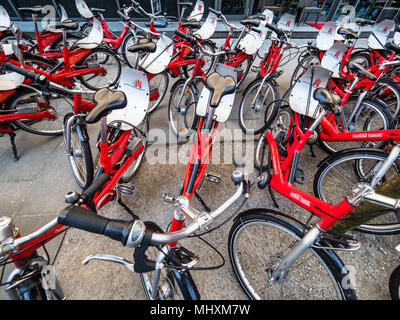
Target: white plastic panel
8 49
136 88
208 28
379 35
94 38
286 22
157 62
250 43
269 17
224 109
326 36
396 38
198 11
349 10
64 15
83 9
5 21
333 57
301 99
11 80
342 22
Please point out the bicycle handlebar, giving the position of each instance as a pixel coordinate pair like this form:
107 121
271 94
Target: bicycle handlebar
34 77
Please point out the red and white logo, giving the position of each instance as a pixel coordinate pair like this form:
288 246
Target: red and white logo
317 83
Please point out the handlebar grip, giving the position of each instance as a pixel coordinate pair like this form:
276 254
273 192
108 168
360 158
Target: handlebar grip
192 40
34 77
255 29
279 32
77 217
218 13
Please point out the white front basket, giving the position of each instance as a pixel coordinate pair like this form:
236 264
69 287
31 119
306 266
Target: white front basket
333 58
156 62
224 109
326 36
83 9
208 28
136 88
198 11
301 98
5 21
380 34
94 38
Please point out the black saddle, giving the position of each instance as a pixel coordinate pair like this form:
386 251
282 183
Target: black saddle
355 67
191 24
393 47
67 25
143 45
219 87
255 22
327 99
106 101
363 22
257 16
347 33
36 9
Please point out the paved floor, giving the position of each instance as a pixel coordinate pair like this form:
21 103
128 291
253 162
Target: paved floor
32 191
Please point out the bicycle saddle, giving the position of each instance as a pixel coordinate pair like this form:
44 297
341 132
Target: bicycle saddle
106 101
347 33
363 22
257 16
67 25
144 45
327 99
355 67
393 47
255 22
219 86
36 9
191 24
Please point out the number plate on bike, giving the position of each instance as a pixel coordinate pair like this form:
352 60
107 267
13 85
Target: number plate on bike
224 109
380 34
136 88
326 36
208 28
333 58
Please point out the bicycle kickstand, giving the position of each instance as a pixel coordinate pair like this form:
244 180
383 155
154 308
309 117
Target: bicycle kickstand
13 146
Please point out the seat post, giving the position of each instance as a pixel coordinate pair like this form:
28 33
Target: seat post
210 119
103 130
35 22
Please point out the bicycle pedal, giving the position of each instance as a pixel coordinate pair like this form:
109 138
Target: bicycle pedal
125 189
342 243
300 176
213 177
169 198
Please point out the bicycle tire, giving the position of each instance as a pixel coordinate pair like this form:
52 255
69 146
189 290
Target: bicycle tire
110 81
303 66
394 284
56 127
391 99
248 61
263 219
160 83
364 160
130 58
261 123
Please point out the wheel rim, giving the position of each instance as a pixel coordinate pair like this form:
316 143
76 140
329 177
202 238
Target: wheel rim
256 281
157 85
77 160
183 114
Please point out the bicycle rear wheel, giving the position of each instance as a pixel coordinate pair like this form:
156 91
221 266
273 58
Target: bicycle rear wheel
394 284
27 99
257 242
304 64
339 173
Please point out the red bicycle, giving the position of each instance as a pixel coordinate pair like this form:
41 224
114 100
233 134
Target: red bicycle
303 264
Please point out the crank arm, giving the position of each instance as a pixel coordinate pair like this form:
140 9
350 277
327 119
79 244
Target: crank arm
109 258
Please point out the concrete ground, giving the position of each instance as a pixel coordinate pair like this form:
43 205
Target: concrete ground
32 192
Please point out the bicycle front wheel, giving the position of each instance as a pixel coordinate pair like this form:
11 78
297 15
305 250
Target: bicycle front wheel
257 243
257 109
394 284
339 173
101 58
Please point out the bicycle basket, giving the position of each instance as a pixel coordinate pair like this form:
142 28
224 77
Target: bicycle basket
301 98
